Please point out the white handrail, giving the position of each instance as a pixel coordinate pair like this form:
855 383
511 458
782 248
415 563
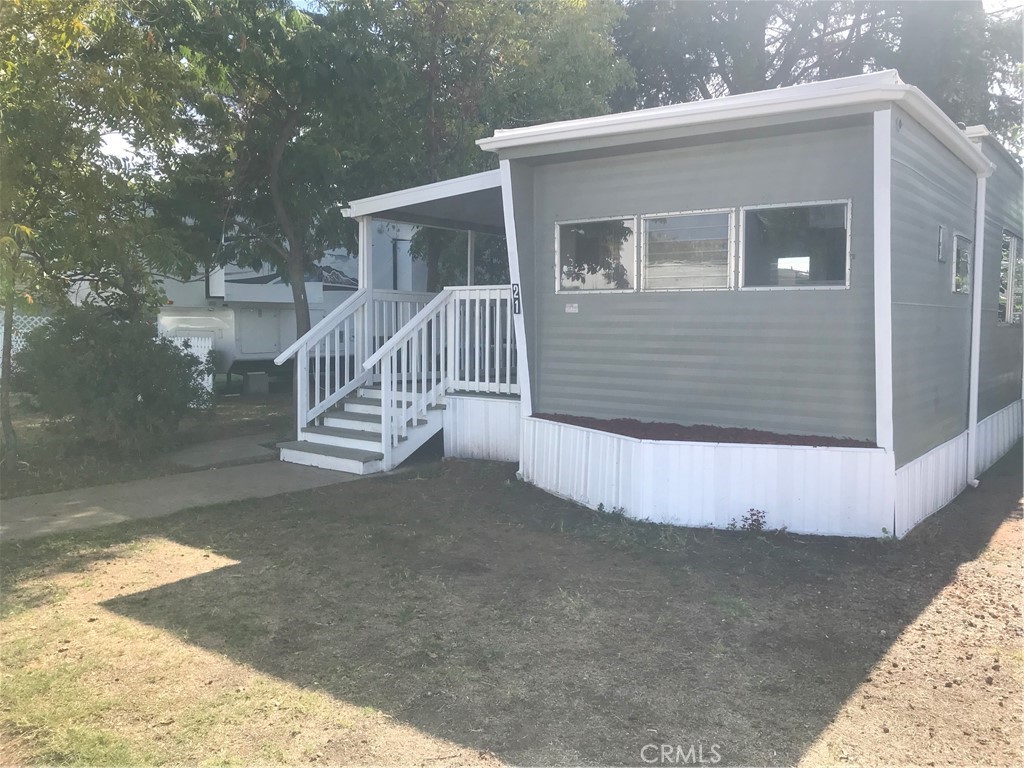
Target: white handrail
462 340
407 330
322 328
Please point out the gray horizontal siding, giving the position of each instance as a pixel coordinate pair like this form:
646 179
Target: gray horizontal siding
788 361
1000 361
931 324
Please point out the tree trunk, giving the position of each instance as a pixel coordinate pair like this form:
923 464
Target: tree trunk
296 250
297 277
9 453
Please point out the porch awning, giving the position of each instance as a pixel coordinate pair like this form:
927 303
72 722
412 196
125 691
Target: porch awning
468 203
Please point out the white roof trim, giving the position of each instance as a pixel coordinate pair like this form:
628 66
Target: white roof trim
476 182
860 90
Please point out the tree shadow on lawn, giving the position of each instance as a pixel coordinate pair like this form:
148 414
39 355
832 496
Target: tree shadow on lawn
486 612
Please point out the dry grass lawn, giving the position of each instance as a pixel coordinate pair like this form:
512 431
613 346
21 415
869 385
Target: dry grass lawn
455 616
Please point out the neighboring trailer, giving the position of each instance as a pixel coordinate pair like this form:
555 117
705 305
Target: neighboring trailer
249 314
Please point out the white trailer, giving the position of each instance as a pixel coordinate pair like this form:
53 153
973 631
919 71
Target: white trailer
249 315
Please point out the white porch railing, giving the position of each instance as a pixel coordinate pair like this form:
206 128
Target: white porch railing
462 340
329 358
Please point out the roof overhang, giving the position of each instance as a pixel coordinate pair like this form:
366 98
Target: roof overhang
468 202
861 93
981 135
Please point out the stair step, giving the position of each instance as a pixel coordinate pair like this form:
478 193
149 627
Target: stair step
331 457
340 433
355 434
360 405
342 437
366 422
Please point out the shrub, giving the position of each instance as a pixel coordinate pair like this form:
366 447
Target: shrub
116 384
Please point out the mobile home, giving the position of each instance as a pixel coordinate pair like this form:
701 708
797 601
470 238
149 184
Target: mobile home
804 301
247 315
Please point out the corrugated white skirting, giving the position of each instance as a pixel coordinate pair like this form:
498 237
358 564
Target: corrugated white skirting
831 491
930 482
477 427
997 434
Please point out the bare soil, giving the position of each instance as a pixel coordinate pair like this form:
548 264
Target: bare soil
456 616
700 433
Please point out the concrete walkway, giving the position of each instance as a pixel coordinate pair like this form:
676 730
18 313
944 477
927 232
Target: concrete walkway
74 510
229 452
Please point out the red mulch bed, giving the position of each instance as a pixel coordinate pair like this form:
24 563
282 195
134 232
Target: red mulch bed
701 433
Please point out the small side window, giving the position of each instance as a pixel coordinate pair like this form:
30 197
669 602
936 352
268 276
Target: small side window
1011 279
940 249
963 256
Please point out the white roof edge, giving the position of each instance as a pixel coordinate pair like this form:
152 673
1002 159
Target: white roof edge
867 89
437 191
979 134
685 113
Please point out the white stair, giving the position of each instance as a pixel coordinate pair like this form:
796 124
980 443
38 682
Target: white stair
349 438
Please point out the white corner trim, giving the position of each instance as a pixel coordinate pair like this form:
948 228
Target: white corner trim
462 185
977 300
512 246
882 236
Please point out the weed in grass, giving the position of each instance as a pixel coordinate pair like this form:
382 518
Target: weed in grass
88 746
733 607
272 753
755 520
57 716
406 614
25 597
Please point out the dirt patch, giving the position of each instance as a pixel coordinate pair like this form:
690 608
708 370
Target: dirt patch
701 433
458 616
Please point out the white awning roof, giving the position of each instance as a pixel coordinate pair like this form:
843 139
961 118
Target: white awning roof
468 202
790 104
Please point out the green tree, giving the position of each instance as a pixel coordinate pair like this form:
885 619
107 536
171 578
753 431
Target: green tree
71 73
470 67
278 116
964 60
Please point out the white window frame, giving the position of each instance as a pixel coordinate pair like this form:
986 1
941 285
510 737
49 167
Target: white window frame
741 261
597 291
970 265
1010 297
730 257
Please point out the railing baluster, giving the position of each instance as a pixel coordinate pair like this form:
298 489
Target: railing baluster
479 343
414 343
487 340
339 345
508 344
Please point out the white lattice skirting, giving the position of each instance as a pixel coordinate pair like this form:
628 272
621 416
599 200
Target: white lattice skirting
23 325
